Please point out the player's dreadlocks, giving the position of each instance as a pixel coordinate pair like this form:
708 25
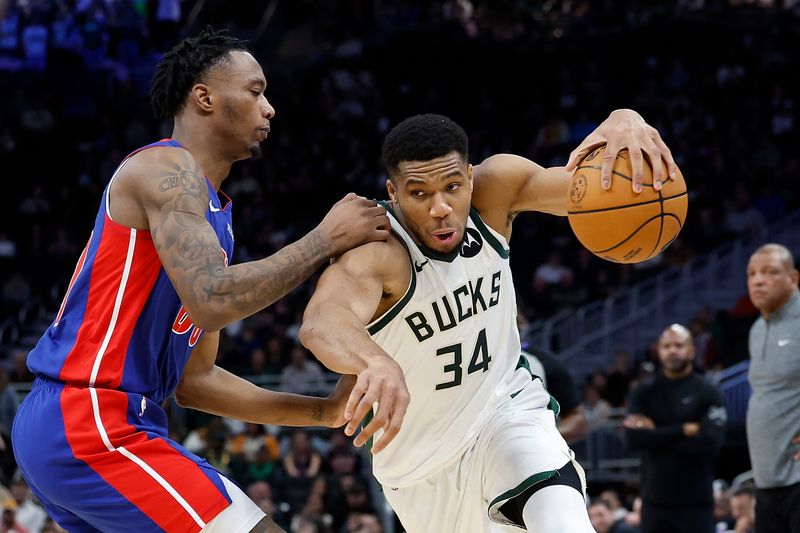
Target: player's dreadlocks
184 65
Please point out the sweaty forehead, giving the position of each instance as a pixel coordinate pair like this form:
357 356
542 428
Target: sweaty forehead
433 168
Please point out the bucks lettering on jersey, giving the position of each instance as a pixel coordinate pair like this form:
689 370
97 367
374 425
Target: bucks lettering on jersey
454 334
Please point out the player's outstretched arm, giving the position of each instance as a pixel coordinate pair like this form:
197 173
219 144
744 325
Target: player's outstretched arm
349 294
207 387
505 184
175 200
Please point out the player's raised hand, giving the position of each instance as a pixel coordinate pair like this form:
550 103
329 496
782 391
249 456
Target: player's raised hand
625 128
382 382
353 221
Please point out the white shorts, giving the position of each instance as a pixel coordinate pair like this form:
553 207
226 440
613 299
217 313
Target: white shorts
519 447
240 516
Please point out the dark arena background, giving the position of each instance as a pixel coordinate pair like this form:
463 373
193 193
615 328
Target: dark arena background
717 78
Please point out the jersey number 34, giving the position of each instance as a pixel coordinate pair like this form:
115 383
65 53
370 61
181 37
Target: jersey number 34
479 361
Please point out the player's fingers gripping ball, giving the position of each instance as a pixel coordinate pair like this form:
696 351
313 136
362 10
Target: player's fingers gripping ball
618 224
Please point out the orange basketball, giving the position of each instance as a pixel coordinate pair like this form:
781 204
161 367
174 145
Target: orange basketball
618 224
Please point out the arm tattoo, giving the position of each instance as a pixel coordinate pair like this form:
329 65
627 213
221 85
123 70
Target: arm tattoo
185 178
192 255
317 412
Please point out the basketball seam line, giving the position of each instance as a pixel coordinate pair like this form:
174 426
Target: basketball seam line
637 230
661 224
663 199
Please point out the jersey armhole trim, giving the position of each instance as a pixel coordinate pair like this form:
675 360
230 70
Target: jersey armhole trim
389 315
488 234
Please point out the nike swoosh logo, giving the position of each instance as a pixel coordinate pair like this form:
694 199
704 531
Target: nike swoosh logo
418 266
211 206
783 342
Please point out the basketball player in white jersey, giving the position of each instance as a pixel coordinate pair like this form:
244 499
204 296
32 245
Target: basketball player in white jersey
427 320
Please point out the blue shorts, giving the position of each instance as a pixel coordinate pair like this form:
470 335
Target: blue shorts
100 459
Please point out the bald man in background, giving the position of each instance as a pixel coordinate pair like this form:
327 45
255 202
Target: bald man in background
773 413
677 421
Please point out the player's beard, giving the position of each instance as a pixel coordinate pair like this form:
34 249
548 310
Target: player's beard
255 151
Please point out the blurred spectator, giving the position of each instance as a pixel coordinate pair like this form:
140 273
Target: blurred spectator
677 421
34 43
595 408
362 523
19 372
168 16
262 494
29 514
35 204
773 413
263 467
252 440
742 219
8 248
8 523
302 376
199 438
619 379
743 509
634 518
313 513
16 292
551 279
343 462
9 401
722 505
611 498
301 465
357 498
603 521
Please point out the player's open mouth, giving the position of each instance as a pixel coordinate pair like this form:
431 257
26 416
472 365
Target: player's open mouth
445 236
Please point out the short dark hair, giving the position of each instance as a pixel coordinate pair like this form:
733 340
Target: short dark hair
182 67
422 138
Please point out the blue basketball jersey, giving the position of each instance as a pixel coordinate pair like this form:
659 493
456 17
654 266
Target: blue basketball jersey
121 324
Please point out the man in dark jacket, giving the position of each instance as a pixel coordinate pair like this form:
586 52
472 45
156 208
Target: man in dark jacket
678 422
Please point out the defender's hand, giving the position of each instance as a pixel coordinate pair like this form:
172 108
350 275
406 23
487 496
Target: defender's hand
337 400
353 221
625 128
381 382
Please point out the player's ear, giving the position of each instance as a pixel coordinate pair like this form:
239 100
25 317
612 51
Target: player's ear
390 188
469 173
200 96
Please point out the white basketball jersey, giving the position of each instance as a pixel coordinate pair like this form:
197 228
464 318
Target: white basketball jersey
454 333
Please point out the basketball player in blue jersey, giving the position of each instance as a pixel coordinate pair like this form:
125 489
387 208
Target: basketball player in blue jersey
141 317
465 435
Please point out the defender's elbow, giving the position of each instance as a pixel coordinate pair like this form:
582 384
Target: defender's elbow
203 317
